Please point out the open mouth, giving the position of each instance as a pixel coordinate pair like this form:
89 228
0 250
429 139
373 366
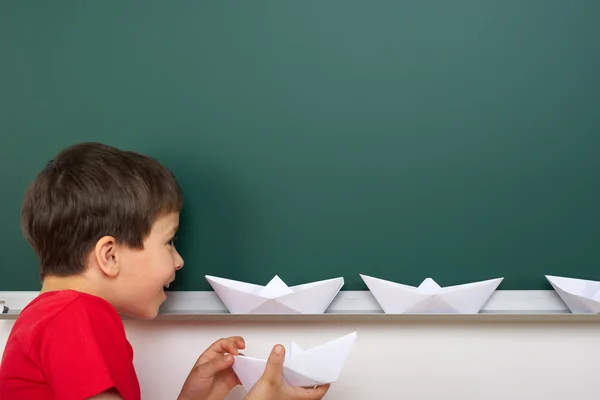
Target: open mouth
168 284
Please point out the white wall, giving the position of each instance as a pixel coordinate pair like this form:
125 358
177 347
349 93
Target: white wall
412 360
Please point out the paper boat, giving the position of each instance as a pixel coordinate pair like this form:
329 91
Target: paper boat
429 297
306 368
580 295
276 297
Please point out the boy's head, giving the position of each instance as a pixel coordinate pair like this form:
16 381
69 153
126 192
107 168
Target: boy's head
107 218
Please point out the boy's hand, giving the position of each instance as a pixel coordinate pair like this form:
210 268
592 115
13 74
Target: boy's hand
212 377
272 387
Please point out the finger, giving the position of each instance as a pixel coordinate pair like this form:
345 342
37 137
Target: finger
228 345
239 341
221 346
315 393
274 367
217 364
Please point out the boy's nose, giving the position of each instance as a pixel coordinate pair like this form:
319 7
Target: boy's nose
178 262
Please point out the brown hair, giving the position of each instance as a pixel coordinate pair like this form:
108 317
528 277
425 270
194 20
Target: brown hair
88 191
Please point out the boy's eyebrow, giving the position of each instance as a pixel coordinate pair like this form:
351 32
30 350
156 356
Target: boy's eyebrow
174 229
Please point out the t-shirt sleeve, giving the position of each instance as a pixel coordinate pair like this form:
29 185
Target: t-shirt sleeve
72 354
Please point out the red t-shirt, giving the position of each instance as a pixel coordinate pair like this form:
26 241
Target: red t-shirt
67 345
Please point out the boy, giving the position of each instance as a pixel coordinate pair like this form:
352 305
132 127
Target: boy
102 222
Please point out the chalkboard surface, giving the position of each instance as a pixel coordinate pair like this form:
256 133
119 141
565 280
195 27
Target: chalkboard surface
458 140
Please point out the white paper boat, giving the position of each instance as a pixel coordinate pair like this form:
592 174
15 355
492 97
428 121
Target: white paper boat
429 297
580 295
306 368
276 297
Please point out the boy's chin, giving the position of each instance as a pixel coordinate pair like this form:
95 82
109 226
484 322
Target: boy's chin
145 314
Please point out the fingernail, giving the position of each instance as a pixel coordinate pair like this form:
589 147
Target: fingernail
278 349
228 357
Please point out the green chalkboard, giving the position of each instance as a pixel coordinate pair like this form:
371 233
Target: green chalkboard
401 139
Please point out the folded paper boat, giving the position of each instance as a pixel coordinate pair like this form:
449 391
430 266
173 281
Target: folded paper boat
429 297
306 368
580 295
276 297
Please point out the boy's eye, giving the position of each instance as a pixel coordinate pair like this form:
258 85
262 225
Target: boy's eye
172 241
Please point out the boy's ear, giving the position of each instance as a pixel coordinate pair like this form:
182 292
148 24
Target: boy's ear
106 255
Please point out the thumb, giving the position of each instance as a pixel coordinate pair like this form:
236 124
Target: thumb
218 364
274 367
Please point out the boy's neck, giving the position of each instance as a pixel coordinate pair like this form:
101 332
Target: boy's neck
79 283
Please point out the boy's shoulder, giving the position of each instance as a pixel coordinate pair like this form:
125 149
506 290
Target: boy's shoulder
59 341
62 309
53 304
